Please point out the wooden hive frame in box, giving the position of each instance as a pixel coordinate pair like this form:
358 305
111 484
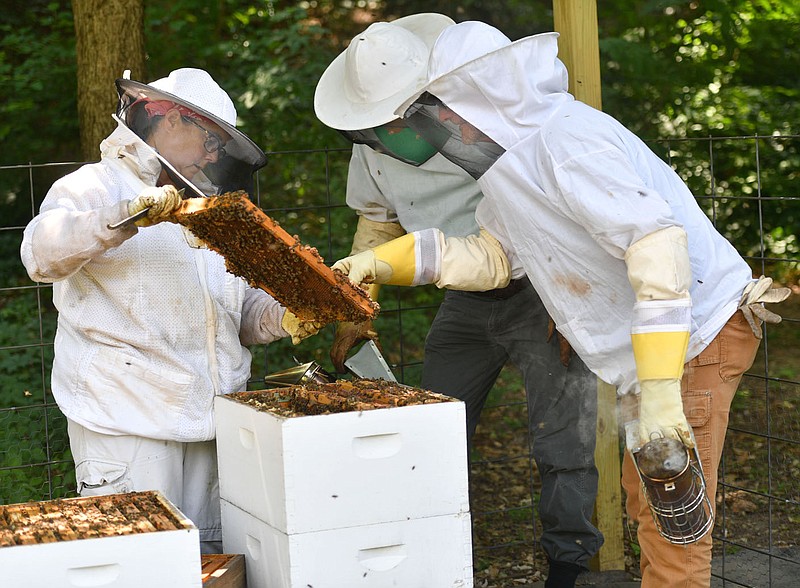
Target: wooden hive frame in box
256 248
87 517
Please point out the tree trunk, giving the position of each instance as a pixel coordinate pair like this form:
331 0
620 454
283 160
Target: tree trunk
109 39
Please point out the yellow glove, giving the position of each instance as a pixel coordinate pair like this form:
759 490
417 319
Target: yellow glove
661 412
473 263
161 200
370 233
390 263
660 273
299 329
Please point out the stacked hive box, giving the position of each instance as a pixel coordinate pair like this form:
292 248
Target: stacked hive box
360 496
124 541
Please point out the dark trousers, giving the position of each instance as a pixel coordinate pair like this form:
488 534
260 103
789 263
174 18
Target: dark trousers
470 340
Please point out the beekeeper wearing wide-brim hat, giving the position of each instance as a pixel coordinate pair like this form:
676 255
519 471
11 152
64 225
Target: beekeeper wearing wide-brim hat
646 290
150 329
362 88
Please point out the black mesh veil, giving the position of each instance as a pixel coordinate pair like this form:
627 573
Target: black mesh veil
454 137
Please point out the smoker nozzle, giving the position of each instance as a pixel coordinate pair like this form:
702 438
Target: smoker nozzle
300 374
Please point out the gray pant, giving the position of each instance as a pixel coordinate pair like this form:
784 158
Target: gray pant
470 340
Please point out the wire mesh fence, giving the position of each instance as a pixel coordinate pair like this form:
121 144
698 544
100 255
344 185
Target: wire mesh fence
748 187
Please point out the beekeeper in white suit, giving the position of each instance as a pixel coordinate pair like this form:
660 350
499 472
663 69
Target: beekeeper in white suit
648 293
397 183
149 328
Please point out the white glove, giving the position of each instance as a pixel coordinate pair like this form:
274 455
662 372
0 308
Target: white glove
752 303
161 200
299 329
365 267
661 412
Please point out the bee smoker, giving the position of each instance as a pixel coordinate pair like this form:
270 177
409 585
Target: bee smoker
675 489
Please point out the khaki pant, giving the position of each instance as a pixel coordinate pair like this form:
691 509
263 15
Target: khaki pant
709 383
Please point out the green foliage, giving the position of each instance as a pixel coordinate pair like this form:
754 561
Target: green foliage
716 69
268 56
37 74
516 18
34 454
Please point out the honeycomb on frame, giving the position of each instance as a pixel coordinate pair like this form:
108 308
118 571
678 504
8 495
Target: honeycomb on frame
258 249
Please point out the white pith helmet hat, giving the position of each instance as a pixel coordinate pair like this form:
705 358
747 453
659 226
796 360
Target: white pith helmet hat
197 88
378 71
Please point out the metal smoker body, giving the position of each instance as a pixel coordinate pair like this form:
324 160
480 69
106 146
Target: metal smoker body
675 489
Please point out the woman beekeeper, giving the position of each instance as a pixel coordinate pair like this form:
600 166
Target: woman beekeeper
149 328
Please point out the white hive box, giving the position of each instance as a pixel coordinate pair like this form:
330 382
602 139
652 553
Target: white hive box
433 552
120 541
311 473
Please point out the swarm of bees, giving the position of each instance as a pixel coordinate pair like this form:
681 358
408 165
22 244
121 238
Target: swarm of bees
87 517
258 249
315 398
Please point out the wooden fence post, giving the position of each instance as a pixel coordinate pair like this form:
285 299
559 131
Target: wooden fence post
576 21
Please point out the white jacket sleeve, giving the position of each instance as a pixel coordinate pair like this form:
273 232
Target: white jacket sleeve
261 318
61 240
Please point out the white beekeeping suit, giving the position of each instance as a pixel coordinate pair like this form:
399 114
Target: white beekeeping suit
573 192
150 329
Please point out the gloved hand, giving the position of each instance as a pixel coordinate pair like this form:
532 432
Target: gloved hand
364 267
161 200
659 271
392 262
347 336
473 263
753 298
299 329
661 412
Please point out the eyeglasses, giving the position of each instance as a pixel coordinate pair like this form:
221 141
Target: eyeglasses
213 143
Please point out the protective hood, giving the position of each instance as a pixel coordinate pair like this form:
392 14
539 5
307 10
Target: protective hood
505 89
199 98
381 67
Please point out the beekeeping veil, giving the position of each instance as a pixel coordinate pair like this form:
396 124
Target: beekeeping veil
486 93
198 98
361 89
